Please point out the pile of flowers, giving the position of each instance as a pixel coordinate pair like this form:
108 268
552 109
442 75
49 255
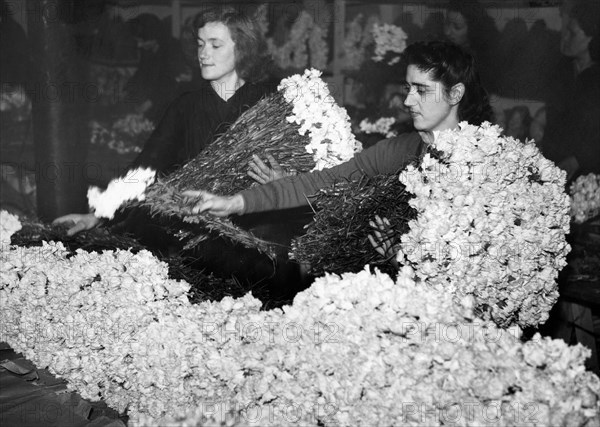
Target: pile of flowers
585 198
492 223
390 42
316 112
126 135
355 349
132 186
9 225
383 125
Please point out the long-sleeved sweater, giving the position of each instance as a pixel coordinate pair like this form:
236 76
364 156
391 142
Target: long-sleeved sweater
386 157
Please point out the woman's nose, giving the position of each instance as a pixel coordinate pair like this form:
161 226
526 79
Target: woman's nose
408 101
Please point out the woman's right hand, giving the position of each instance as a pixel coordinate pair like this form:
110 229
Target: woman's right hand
81 222
383 240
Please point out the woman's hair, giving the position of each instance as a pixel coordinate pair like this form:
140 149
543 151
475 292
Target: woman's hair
449 64
251 53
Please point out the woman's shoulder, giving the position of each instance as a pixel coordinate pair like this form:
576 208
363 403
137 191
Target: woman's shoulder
407 144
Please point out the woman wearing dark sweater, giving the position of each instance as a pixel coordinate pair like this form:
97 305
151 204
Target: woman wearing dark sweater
232 56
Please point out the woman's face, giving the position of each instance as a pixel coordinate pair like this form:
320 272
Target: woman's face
216 53
573 41
427 102
456 28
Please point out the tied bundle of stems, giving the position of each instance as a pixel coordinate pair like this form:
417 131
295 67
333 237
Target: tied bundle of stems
222 168
337 239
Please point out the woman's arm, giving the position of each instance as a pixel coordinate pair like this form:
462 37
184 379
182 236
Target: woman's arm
386 157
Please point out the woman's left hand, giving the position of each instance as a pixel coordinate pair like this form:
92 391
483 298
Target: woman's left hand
260 172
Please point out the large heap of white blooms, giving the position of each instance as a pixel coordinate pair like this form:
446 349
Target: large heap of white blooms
315 110
585 197
492 222
132 186
356 349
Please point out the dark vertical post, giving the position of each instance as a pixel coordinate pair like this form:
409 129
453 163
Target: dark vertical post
58 109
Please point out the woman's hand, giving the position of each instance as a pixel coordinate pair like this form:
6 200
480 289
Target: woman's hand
81 222
383 239
203 201
260 172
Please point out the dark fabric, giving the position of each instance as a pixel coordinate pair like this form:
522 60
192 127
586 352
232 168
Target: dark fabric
574 129
386 157
155 79
192 122
32 397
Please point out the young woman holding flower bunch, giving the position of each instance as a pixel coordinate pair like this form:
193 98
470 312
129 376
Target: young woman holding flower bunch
443 89
231 52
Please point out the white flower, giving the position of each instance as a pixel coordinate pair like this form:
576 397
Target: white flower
316 112
120 190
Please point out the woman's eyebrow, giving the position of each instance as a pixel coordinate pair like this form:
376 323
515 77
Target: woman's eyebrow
212 39
419 85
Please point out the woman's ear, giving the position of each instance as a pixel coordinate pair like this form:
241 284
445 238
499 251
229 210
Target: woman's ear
456 93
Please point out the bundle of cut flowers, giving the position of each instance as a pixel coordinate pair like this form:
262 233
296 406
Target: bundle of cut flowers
300 125
585 198
492 223
359 349
336 241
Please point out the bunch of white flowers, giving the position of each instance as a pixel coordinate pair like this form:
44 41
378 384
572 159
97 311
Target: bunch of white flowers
9 225
492 223
382 125
315 110
388 38
585 198
120 190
